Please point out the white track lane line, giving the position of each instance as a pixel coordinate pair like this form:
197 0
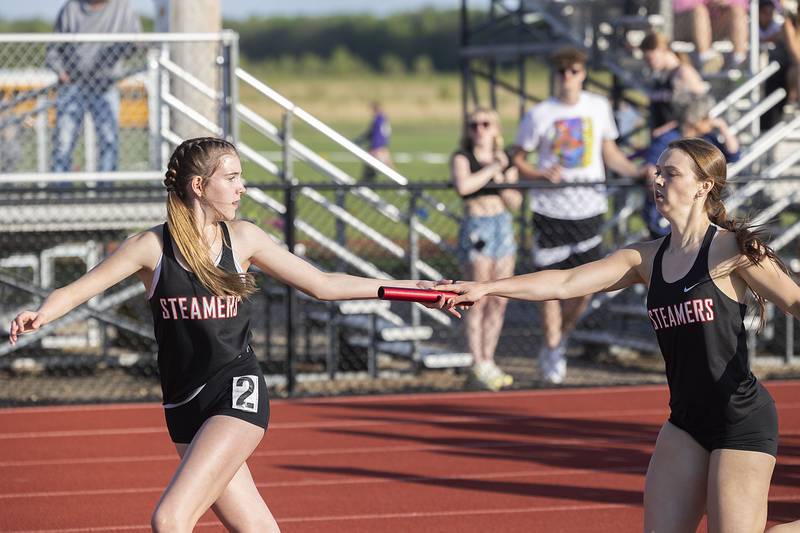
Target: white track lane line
316 452
484 396
353 480
386 516
342 423
399 398
356 480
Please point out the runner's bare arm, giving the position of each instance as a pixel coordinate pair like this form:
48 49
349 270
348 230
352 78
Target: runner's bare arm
286 267
768 280
619 270
139 251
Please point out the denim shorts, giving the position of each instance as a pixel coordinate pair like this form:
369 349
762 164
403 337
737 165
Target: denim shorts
491 236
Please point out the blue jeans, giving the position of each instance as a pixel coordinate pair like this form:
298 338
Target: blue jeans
71 103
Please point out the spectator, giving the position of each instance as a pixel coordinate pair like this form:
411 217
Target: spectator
487 248
573 133
704 21
87 74
694 119
670 76
779 28
377 140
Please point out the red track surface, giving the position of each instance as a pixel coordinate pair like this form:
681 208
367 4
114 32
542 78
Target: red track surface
555 461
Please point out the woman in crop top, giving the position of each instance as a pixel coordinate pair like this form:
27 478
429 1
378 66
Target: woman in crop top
716 452
487 248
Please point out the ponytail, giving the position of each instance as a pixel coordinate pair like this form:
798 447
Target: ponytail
199 157
751 243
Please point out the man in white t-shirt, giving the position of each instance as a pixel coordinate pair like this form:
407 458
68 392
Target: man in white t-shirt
573 134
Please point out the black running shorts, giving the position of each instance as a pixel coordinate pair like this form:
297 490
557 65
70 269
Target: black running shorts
756 432
238 389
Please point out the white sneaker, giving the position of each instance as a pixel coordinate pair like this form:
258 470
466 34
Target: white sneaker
483 376
559 364
553 363
506 379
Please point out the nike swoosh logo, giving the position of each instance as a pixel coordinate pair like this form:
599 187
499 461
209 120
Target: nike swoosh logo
687 289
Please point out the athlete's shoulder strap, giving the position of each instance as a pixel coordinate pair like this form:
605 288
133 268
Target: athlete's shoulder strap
656 274
702 256
166 239
227 261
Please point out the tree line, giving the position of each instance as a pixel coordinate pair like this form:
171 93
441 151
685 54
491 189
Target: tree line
424 40
421 41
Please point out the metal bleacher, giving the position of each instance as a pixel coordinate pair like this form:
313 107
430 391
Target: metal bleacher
511 32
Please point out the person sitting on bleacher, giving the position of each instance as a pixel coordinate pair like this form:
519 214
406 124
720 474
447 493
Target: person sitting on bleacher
778 27
670 75
694 120
703 21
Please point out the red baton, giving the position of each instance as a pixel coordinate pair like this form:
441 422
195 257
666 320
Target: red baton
403 294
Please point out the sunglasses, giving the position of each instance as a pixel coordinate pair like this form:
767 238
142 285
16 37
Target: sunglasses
483 124
571 70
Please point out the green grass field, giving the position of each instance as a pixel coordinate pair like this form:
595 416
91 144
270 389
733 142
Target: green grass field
425 113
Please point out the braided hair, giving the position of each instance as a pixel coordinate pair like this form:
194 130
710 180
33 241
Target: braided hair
199 157
708 163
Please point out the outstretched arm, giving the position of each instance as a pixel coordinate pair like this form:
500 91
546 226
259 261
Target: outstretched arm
141 250
619 270
768 280
286 267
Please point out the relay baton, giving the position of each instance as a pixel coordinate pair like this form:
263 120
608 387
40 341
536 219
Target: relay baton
403 294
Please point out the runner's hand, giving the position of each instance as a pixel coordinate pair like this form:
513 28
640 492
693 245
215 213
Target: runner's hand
441 303
469 292
25 322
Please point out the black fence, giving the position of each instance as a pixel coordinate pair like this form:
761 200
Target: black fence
105 349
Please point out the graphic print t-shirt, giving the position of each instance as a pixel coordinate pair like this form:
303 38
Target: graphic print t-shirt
570 136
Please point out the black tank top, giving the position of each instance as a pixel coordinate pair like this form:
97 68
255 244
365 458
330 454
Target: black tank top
475 166
704 343
197 332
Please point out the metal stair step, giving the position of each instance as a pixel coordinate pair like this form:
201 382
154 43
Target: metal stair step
429 356
615 339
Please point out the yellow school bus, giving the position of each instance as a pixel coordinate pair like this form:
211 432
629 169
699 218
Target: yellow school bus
28 87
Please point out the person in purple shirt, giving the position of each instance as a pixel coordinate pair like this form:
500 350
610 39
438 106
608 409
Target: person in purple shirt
377 140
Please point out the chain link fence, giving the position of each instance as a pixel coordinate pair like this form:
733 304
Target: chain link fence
67 201
107 102
106 350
